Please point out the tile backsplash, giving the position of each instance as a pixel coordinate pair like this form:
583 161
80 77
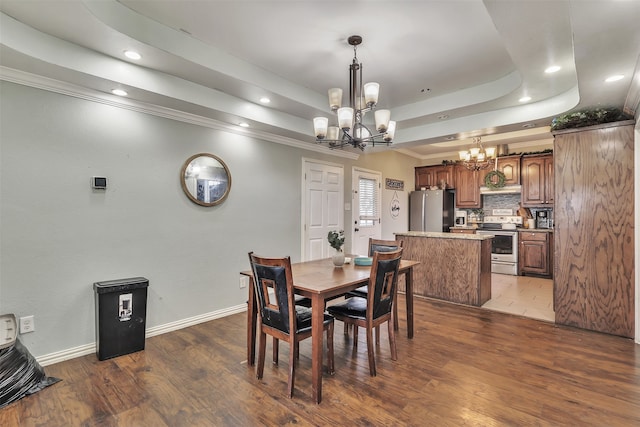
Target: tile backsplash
507 201
500 201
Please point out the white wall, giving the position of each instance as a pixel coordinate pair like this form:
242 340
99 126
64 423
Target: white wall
58 236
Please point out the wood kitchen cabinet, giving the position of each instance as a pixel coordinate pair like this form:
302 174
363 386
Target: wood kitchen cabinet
467 184
593 278
427 176
535 253
424 177
509 166
537 181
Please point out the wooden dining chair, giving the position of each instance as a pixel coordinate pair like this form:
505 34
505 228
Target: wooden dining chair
376 245
377 308
279 316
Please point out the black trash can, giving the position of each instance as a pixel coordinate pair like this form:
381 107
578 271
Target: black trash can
121 316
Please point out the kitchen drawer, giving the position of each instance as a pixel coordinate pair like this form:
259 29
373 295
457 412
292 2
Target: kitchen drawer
463 230
539 236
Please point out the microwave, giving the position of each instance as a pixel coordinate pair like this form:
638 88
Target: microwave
461 219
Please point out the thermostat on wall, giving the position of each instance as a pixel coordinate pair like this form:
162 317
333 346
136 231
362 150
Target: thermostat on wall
99 182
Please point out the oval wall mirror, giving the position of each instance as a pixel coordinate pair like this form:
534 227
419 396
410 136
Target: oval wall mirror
205 179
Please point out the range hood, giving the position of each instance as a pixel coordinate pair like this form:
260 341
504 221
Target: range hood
507 189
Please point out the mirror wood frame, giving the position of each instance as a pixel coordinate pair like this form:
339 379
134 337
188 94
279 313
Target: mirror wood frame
193 161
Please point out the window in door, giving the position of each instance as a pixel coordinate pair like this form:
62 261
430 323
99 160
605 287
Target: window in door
366 213
367 202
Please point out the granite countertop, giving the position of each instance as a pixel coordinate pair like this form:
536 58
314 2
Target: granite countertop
435 235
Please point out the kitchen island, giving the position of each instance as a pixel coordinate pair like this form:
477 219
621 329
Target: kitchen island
453 267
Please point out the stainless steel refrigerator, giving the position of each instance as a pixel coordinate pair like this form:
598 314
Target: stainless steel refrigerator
431 210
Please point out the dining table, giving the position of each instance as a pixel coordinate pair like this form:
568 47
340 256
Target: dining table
320 281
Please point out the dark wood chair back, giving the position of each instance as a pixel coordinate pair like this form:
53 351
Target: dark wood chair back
377 245
383 283
274 274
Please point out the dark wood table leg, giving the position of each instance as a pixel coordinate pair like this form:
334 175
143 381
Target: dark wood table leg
252 316
409 297
317 320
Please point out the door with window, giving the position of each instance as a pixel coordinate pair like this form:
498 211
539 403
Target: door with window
366 203
322 207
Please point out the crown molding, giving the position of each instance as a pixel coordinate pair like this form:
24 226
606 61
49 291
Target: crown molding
64 88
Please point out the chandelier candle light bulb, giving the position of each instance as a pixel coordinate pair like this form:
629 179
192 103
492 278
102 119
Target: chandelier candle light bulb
333 133
382 120
335 98
320 125
371 91
391 131
345 118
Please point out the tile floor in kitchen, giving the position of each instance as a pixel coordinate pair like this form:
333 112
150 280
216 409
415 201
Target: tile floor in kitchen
522 295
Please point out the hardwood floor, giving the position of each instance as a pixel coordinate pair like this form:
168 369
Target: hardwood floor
465 366
523 295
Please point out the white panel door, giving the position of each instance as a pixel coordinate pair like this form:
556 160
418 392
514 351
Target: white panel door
366 200
323 207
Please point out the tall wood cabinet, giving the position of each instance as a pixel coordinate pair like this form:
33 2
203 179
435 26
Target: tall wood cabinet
467 188
594 228
537 181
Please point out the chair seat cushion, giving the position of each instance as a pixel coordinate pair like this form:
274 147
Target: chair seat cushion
361 292
303 317
353 307
303 301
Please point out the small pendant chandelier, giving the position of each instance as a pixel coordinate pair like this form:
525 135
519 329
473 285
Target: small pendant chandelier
362 98
478 157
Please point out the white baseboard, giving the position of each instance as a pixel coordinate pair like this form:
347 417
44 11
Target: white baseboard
83 350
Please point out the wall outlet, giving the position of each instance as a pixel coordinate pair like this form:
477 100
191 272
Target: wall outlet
27 324
244 281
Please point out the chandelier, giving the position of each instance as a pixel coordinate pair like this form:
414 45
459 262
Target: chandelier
362 99
478 157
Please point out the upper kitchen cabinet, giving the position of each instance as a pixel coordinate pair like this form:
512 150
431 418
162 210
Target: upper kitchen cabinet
427 176
594 228
509 166
467 184
424 177
537 180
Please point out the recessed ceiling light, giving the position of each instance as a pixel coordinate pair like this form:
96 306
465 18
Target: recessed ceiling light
614 78
552 69
265 100
132 54
243 124
119 92
525 99
451 138
443 116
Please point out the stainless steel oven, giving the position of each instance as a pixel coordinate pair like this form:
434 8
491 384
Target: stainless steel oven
504 251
